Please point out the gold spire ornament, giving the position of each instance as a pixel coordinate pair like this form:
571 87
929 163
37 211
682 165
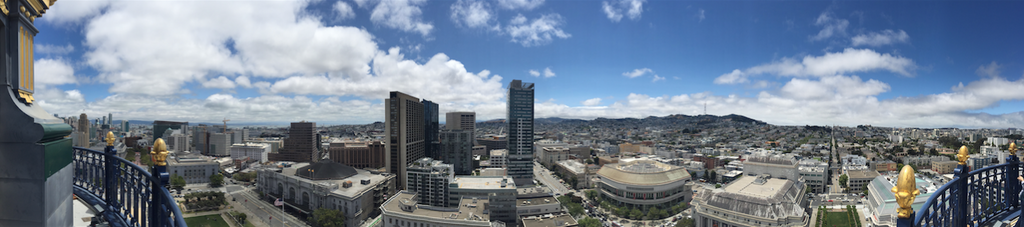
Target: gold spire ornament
110 139
905 191
963 156
159 153
1013 148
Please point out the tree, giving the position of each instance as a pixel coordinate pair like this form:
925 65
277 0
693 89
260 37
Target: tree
589 222
328 218
592 195
177 182
842 180
636 213
718 185
713 177
685 222
654 213
575 209
622 211
216 180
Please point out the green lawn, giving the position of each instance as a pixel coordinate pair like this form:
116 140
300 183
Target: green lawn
213 220
837 219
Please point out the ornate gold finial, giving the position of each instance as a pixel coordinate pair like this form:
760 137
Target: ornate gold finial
1013 148
110 139
905 192
963 156
159 153
3 7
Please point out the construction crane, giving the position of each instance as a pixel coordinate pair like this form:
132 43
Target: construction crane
226 125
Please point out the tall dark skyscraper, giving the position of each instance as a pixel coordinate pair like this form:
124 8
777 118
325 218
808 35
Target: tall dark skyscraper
520 132
301 145
430 117
404 128
160 126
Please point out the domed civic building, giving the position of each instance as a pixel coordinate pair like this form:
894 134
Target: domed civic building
644 184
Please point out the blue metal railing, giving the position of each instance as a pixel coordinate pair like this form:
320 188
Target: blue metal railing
976 198
134 196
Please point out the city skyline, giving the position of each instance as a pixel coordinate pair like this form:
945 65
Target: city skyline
895 64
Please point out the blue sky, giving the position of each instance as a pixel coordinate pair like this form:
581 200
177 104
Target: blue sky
902 64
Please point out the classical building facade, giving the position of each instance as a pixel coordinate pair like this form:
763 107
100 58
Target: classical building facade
305 187
752 201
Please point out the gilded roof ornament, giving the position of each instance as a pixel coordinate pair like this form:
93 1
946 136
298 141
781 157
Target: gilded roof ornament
3 7
1013 148
159 153
963 156
905 191
110 139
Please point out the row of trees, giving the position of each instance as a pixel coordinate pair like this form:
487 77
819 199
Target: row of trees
246 177
634 213
178 182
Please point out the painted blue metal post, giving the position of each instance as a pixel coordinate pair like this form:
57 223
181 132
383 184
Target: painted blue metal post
960 199
110 174
161 178
906 222
1012 185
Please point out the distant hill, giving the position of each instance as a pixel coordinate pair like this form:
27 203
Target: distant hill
675 118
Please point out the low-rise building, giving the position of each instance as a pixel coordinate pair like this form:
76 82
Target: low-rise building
550 155
305 187
858 179
944 167
194 168
752 201
403 210
574 169
500 191
549 220
253 152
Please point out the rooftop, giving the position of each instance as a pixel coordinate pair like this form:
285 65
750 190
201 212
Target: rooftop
536 201
643 172
861 174
469 209
356 189
484 182
549 220
769 198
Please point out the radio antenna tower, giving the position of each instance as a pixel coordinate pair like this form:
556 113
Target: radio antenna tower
705 107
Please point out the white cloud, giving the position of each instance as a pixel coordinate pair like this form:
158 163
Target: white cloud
474 14
53 49
344 10
70 11
991 70
520 4
243 81
637 72
534 72
53 72
657 78
537 32
548 72
883 38
219 82
615 10
404 15
700 15
829 26
849 61
591 102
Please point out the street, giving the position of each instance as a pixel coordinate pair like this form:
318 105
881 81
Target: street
544 176
261 211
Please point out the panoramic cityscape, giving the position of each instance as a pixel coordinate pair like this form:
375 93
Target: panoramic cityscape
533 113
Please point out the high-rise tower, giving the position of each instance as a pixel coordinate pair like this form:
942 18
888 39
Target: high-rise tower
520 132
430 118
404 128
302 144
